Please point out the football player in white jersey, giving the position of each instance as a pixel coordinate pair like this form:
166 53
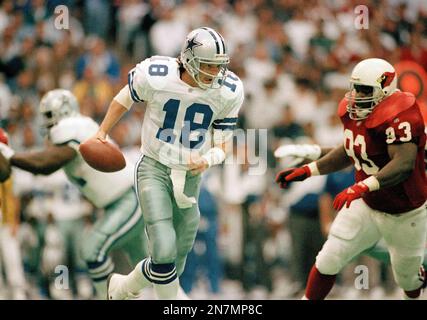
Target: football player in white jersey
121 226
192 105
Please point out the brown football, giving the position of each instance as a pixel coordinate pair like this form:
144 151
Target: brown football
102 156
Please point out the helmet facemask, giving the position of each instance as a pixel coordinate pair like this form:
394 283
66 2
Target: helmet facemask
362 100
194 65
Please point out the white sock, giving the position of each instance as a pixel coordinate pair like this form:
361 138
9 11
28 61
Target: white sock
136 281
167 291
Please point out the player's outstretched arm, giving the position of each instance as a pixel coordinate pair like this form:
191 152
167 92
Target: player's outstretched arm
118 107
334 160
44 162
401 165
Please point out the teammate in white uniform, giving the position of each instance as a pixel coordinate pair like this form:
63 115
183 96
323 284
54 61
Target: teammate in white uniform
121 224
192 104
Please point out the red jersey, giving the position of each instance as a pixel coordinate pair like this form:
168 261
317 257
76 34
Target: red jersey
395 120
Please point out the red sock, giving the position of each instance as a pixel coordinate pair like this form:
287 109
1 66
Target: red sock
318 285
416 293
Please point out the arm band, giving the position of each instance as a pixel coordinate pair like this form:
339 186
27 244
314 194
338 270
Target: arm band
313 168
372 183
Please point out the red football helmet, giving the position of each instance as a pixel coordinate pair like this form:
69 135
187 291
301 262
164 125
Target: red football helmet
4 137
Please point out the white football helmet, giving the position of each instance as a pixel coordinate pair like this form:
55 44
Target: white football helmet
371 81
205 45
56 105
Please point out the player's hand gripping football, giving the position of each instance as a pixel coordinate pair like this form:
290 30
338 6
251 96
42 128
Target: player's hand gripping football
348 195
101 136
286 176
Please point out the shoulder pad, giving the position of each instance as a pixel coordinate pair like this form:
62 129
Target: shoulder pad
390 108
74 129
342 107
232 88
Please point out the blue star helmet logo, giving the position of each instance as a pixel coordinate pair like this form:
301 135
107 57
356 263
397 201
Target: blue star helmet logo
191 43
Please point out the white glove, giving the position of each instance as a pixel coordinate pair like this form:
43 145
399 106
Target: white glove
299 152
6 151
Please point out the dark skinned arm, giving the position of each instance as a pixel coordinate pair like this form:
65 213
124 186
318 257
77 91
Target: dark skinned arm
334 160
44 162
325 151
5 169
401 165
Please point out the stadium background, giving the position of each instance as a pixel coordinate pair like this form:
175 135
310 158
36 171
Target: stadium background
294 58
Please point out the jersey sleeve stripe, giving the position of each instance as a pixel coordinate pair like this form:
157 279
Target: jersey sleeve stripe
224 126
226 121
133 93
67 142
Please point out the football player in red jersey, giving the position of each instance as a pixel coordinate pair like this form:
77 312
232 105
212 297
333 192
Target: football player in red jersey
384 139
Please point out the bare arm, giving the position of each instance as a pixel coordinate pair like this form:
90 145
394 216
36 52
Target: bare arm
115 111
335 160
4 168
325 151
401 165
44 162
121 103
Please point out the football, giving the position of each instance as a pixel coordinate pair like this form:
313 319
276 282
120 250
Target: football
102 156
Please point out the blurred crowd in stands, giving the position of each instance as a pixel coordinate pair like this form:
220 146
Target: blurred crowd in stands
294 57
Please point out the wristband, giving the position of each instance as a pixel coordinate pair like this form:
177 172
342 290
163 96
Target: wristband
314 170
214 156
372 183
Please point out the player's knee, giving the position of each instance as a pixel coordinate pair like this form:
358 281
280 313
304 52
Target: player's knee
329 261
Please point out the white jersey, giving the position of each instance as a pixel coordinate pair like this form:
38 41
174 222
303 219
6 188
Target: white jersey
98 187
181 119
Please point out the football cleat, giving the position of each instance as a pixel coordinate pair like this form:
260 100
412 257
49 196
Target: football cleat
115 288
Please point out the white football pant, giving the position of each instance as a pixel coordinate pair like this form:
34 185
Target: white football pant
12 262
359 227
